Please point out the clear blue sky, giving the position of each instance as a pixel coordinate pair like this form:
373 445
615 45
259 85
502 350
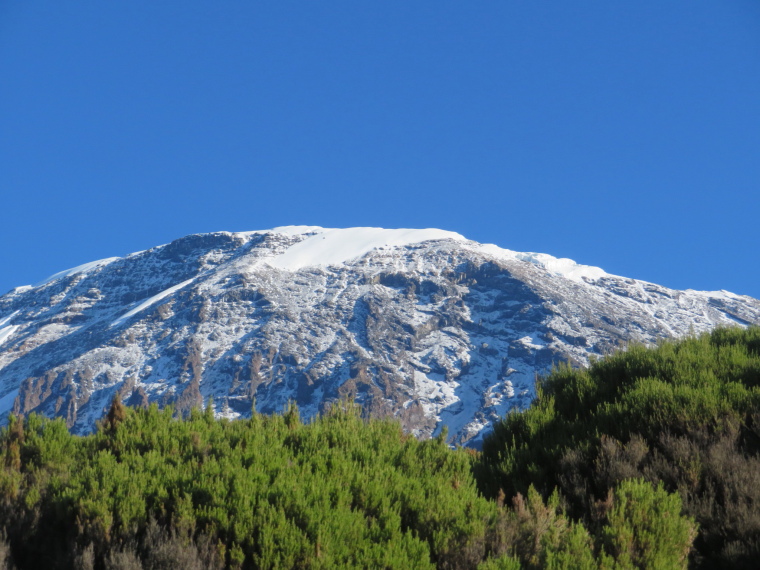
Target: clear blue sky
620 134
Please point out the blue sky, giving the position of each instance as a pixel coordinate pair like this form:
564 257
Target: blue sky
619 134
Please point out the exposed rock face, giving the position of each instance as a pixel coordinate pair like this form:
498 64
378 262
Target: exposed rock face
423 325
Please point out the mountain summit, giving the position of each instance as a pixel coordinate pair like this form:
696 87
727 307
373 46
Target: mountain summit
422 325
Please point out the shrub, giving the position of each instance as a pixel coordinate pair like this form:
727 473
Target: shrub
683 414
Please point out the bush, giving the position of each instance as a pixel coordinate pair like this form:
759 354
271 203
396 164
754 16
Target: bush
152 491
683 415
645 529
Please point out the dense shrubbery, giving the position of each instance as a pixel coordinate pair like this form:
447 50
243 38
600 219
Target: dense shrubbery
149 491
685 415
593 476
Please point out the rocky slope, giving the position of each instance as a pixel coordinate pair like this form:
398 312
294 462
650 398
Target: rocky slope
422 325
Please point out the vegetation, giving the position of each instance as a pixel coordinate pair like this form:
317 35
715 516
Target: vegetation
594 476
684 416
150 491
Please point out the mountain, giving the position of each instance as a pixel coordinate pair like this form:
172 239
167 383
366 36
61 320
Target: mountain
423 325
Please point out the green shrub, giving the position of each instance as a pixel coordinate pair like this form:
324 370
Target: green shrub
269 492
684 414
645 528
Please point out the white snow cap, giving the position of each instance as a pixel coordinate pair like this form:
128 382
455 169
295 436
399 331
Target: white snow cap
330 246
559 266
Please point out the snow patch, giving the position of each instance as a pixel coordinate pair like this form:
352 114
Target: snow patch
154 299
434 392
7 319
291 230
335 246
564 267
559 266
531 341
7 332
722 294
84 268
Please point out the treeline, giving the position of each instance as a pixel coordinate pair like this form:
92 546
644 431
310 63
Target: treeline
646 460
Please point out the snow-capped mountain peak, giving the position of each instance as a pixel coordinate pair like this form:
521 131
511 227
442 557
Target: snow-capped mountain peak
331 246
422 325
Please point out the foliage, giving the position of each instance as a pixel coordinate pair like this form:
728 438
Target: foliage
149 490
645 529
684 415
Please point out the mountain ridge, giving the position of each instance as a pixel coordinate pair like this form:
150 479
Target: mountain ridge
423 325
